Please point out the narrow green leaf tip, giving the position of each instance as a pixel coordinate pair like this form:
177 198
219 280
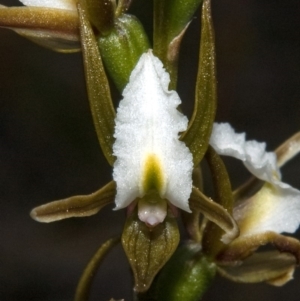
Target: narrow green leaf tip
198 133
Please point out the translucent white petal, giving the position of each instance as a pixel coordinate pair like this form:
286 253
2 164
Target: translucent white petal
147 126
61 4
260 163
273 208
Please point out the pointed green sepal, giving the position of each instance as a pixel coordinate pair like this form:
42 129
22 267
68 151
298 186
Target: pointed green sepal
196 137
98 88
76 206
148 249
122 48
186 276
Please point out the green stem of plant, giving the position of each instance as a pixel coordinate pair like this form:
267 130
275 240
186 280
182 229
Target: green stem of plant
171 18
86 279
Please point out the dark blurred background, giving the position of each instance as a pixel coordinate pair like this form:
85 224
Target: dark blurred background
49 149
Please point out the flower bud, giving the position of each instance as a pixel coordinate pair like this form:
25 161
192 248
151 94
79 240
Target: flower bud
122 48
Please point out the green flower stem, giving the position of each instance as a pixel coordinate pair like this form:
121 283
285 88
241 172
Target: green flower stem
171 18
85 282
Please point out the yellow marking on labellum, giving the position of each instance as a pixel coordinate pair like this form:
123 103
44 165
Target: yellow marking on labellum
153 178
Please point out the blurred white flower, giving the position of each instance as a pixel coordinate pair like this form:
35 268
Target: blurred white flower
276 206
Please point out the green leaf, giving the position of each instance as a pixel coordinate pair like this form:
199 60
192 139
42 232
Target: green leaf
98 88
186 276
196 137
148 249
76 206
122 48
85 282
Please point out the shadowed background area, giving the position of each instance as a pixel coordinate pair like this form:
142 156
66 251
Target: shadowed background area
49 149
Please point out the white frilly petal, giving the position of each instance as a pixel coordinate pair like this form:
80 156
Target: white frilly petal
260 163
148 126
276 207
60 4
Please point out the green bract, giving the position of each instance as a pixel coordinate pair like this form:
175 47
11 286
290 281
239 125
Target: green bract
122 47
97 85
148 249
197 135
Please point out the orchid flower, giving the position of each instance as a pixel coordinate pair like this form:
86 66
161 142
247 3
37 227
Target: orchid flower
153 168
155 151
276 206
273 208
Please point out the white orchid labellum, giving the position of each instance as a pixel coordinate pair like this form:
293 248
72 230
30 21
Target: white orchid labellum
151 162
